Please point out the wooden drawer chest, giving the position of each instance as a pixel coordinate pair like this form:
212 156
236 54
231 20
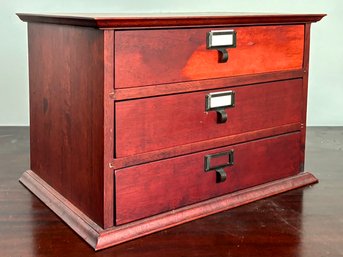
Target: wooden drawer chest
143 122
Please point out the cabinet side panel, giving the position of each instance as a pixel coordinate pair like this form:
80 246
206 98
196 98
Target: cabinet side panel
66 112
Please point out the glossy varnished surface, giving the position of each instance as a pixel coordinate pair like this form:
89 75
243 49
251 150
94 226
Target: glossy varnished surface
155 187
66 112
148 57
150 126
304 222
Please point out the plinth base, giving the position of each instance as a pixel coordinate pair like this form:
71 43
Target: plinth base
100 238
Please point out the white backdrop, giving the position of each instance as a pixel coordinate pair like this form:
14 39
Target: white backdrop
326 60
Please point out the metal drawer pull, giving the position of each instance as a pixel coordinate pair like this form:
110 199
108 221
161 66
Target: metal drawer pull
218 102
221 161
221 116
220 40
220 175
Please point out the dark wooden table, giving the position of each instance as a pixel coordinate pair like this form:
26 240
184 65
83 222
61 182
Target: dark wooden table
303 222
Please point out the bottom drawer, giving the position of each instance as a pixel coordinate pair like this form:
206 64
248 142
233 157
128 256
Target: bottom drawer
152 188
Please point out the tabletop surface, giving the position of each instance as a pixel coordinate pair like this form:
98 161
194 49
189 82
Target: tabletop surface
305 222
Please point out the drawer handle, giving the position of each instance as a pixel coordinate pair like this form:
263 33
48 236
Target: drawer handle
223 55
218 102
220 40
220 175
221 116
221 161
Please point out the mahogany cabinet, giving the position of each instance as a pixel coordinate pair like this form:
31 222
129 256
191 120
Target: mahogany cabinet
142 122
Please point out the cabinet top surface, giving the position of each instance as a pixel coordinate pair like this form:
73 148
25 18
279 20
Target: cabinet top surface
129 20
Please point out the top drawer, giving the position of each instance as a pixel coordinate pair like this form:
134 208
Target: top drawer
148 57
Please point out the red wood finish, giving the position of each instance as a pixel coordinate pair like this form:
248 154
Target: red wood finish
202 145
147 57
99 238
66 113
119 129
304 93
143 20
152 188
150 124
199 85
108 126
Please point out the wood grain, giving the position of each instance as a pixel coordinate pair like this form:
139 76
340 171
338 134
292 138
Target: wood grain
284 225
202 145
128 92
156 187
66 68
108 127
75 218
199 85
148 57
150 124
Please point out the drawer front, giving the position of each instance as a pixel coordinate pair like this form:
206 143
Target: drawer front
148 57
156 187
150 124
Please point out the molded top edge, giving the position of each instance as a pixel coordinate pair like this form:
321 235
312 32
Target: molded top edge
134 20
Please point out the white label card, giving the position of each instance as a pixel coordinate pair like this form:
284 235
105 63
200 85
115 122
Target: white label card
219 38
222 40
220 99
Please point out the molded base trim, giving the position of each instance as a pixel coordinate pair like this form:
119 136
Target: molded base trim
100 238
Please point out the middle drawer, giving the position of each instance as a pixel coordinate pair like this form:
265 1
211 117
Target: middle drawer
155 123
